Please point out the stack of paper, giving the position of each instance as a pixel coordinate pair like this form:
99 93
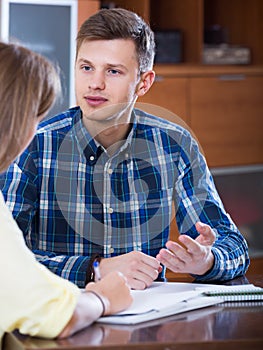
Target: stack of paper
161 300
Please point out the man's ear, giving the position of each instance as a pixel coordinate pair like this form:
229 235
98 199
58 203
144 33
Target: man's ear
146 81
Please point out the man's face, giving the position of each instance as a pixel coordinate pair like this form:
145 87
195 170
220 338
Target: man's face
106 77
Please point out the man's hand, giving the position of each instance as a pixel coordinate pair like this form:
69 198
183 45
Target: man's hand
193 256
139 269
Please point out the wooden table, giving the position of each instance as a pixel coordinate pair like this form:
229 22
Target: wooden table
225 326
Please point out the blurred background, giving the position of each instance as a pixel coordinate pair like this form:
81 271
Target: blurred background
209 66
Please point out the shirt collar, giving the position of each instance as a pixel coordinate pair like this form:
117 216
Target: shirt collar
89 146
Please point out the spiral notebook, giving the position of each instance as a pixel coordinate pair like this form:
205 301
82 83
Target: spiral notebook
236 293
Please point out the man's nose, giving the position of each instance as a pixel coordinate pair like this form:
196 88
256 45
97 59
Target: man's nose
97 81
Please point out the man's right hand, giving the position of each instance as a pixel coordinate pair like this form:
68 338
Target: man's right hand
139 269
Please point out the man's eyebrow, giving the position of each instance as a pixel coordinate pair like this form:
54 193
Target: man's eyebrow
116 65
109 65
83 60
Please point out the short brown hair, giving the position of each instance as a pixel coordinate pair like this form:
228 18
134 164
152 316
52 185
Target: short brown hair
118 23
29 85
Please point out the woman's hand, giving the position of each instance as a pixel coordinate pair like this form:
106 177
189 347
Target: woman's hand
114 292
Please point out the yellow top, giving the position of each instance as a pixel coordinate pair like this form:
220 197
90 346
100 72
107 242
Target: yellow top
32 299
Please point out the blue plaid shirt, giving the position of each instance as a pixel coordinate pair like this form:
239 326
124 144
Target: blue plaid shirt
72 199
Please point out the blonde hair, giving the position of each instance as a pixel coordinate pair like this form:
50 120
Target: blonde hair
29 84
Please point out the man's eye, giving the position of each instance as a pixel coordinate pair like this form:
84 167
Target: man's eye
114 71
86 68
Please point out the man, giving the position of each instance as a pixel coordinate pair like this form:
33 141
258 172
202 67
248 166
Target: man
99 181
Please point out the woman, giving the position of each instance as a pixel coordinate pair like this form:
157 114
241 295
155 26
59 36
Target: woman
32 299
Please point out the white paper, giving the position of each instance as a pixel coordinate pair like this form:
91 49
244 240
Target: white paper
161 300
145 302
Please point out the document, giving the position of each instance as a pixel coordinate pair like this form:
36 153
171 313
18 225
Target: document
162 299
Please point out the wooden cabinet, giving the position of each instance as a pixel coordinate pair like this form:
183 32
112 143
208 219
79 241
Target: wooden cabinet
226 116
241 18
243 21
171 93
222 105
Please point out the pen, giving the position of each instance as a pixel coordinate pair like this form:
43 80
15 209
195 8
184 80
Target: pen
96 267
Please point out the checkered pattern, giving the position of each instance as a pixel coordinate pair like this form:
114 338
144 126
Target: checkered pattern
72 199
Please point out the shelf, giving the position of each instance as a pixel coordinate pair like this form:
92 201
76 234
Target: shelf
191 70
241 18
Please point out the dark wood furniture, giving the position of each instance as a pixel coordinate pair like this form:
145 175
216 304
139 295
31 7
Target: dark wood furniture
222 104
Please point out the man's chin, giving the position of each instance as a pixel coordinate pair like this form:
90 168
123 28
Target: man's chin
109 114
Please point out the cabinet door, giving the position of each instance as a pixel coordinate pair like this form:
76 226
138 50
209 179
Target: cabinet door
169 93
226 116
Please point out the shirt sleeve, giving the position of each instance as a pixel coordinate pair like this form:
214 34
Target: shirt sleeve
197 200
33 299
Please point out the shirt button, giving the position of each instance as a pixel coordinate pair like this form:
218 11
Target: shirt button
111 250
91 158
110 210
110 171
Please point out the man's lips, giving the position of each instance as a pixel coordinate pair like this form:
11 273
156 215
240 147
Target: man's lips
95 100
